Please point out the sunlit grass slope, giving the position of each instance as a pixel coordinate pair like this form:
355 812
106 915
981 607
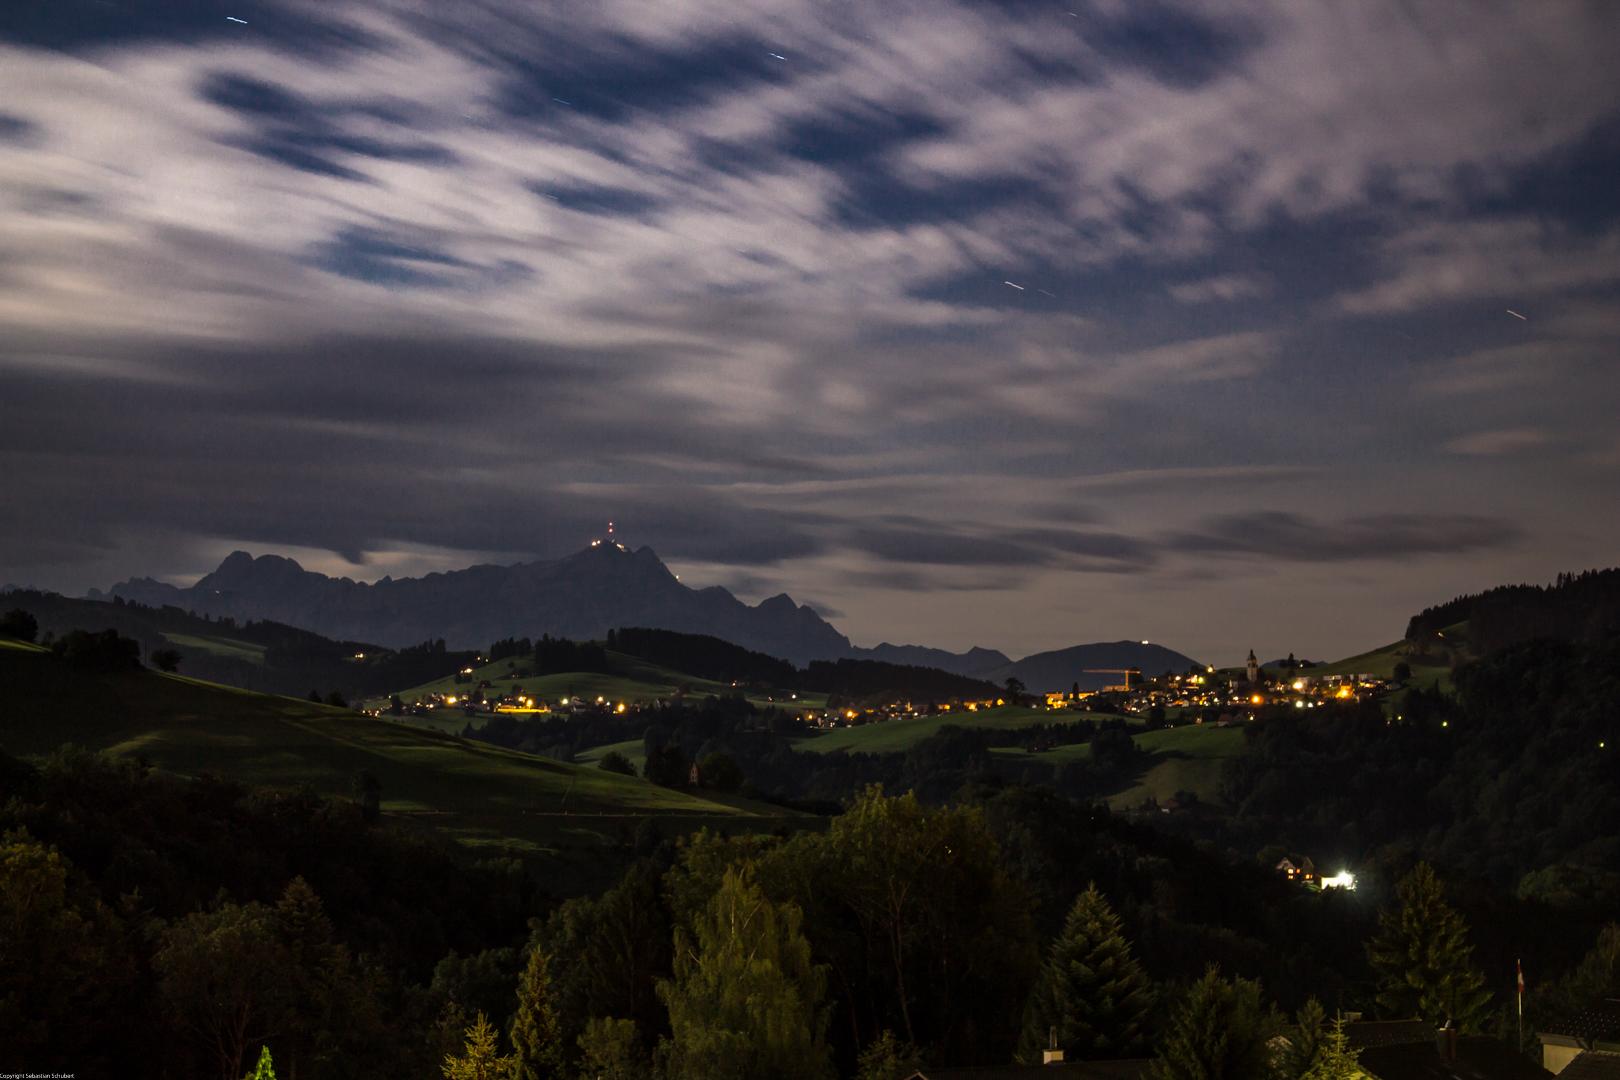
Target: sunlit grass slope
219 646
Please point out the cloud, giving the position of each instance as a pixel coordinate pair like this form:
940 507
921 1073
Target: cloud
353 278
1223 287
938 547
1514 260
1293 537
1498 443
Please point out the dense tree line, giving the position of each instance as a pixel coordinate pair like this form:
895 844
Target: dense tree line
156 926
557 655
1582 607
702 656
1512 779
856 680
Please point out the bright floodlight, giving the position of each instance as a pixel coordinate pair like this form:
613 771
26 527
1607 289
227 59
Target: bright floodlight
1344 879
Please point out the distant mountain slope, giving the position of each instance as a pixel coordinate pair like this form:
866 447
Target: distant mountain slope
974 663
1083 664
581 596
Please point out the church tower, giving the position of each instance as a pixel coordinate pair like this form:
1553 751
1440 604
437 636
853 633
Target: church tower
1254 669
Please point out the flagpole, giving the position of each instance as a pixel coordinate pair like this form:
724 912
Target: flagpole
1518 966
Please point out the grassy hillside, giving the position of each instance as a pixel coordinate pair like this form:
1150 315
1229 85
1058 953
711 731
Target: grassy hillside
477 793
217 646
633 680
264 656
1429 666
894 736
1184 759
632 749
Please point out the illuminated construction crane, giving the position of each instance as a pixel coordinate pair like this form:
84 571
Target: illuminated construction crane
1127 672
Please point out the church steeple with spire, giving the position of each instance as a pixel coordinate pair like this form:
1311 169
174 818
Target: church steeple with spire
1253 669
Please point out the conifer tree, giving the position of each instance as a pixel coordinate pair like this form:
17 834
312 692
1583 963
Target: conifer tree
1598 974
1305 1042
888 1058
481 1058
1422 958
265 1069
746 1001
536 1029
1334 1058
1219 1032
1090 990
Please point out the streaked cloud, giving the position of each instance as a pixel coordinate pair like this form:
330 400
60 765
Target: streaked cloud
407 282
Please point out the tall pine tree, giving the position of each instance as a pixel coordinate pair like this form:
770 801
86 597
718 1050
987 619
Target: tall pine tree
1422 958
1219 1032
1335 1060
1306 1041
265 1069
537 1042
1090 990
481 1058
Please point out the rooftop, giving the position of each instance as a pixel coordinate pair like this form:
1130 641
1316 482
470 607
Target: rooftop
1130 1069
1478 1058
1593 1065
1600 1022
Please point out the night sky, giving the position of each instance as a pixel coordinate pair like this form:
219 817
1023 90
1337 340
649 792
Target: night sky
1222 324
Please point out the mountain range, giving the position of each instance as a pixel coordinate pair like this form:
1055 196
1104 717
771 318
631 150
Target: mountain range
582 596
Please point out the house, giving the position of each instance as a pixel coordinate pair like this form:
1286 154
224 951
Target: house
1130 1069
1413 1050
1593 1065
1596 1028
1297 868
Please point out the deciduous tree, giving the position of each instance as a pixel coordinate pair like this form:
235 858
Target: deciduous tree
746 1000
223 977
610 1049
18 623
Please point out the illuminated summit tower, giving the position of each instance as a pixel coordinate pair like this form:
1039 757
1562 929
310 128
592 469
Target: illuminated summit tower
609 539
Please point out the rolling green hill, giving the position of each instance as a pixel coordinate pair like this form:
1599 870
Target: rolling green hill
1430 665
894 736
632 749
476 793
632 681
1185 758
